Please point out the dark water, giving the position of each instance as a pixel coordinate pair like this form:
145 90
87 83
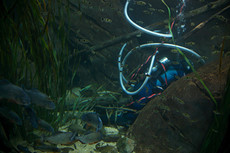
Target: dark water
64 55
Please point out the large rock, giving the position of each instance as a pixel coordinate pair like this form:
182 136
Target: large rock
178 119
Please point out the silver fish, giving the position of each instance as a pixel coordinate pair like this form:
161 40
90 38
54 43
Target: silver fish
31 116
60 138
93 119
10 115
47 148
45 125
90 138
40 99
13 92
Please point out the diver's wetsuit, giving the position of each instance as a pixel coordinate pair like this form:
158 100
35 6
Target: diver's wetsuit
159 81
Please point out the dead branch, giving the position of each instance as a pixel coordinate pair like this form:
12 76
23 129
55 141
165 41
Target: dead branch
203 9
126 37
202 24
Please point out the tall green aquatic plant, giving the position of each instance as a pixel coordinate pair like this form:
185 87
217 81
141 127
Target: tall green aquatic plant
217 130
34 48
186 59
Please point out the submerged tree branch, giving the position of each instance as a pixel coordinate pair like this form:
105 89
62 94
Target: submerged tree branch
126 37
202 24
203 9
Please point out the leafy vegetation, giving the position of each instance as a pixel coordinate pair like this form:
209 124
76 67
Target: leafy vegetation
34 50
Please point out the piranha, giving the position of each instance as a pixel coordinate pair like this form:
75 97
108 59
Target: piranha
14 93
92 119
31 116
47 148
45 125
63 138
23 149
106 20
90 138
40 99
141 3
10 115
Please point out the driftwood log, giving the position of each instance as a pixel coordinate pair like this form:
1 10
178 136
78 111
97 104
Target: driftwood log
192 13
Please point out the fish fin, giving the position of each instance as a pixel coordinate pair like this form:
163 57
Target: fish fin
13 101
100 124
73 137
32 116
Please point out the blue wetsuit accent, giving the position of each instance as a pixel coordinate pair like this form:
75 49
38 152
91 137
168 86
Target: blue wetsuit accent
172 72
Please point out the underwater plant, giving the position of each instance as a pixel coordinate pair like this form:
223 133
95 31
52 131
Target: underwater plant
34 53
218 128
184 56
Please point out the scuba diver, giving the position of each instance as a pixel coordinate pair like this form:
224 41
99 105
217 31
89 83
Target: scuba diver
162 75
150 81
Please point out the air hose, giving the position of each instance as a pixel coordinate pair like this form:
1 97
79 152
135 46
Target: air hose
121 62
